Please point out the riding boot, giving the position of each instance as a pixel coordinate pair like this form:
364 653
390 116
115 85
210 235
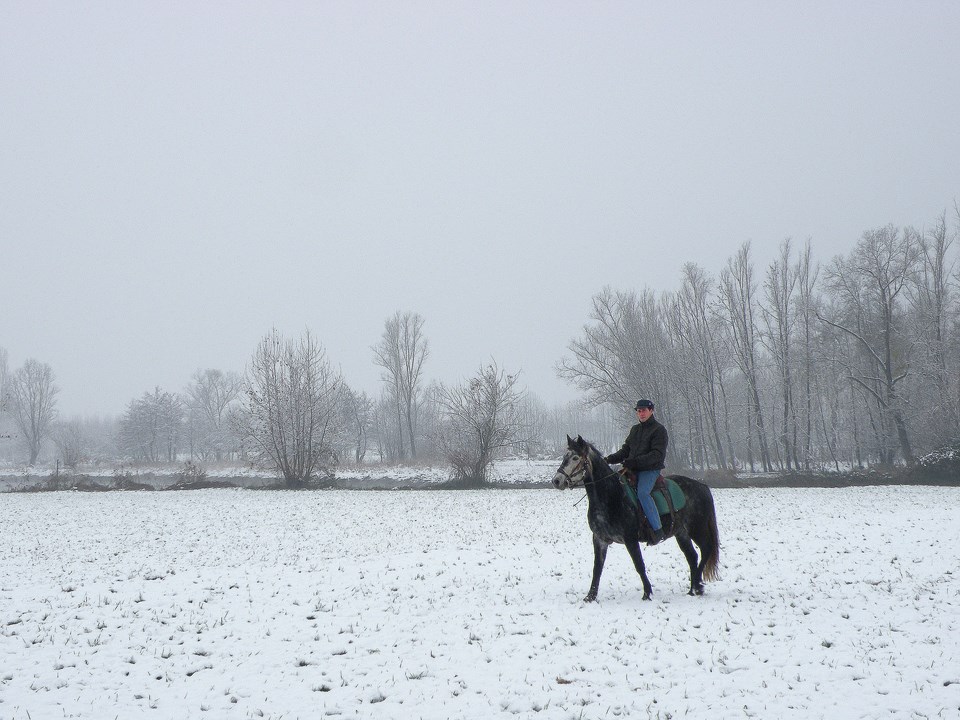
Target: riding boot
657 537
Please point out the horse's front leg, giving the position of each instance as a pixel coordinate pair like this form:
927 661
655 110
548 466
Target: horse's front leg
599 557
633 547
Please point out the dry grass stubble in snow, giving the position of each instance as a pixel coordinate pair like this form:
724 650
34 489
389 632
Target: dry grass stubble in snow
231 603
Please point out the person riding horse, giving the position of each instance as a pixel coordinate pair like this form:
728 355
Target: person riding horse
643 453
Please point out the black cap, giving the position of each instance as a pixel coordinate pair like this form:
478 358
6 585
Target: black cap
644 404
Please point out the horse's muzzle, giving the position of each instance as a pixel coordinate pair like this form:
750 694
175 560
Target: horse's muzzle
560 482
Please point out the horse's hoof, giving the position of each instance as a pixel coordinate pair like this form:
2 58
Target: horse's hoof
590 598
696 590
648 596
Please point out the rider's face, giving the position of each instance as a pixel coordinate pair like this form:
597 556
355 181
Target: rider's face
644 413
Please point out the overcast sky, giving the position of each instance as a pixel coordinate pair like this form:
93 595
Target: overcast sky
177 178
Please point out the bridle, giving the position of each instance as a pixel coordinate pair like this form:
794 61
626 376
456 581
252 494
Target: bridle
582 467
585 469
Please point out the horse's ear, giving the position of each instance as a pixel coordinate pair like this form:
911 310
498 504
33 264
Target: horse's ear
569 441
579 440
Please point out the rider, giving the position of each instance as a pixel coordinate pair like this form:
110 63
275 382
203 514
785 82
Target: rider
644 452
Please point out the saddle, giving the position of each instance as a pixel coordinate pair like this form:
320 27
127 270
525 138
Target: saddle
663 494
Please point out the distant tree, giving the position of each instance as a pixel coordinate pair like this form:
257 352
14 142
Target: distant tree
868 286
210 396
933 304
738 297
623 353
34 397
481 419
152 427
779 315
401 352
807 273
358 411
534 416
68 437
4 379
5 400
292 401
696 334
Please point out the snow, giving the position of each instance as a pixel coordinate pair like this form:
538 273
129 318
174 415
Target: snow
835 603
508 471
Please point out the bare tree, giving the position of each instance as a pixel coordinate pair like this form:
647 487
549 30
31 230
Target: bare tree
868 285
34 404
152 427
807 274
5 399
932 300
779 315
4 378
737 293
699 371
401 352
358 411
68 437
623 353
293 399
481 418
210 396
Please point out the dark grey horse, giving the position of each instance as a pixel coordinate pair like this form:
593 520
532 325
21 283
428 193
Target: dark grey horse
614 519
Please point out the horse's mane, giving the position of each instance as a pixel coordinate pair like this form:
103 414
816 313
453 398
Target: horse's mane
592 451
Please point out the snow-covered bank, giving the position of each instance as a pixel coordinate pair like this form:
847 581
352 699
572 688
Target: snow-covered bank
225 603
512 472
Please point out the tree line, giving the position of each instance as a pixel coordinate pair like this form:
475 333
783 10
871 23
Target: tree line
291 412
797 366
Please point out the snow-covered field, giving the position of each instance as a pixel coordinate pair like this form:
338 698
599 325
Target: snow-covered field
443 604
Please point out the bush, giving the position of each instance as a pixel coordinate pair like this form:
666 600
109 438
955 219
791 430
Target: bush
942 464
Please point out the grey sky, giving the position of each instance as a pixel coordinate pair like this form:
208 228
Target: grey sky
177 178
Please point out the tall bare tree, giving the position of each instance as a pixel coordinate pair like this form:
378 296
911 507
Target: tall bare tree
34 395
5 399
292 401
737 293
401 352
932 298
869 285
623 353
779 315
210 396
807 273
700 374
4 377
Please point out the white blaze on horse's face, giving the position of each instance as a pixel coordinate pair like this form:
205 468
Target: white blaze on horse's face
571 472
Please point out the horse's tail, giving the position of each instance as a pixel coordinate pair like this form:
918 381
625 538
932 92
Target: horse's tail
711 565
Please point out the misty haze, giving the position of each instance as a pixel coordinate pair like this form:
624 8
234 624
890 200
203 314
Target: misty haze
351 247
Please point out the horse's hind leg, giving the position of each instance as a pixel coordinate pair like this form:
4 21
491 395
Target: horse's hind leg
696 578
599 557
634 549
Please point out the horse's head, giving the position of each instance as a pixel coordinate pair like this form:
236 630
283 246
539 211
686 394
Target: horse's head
575 465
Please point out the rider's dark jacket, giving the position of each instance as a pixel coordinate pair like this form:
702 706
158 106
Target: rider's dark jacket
644 449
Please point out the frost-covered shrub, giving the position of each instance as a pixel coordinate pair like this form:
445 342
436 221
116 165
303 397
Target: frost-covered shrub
191 472
942 464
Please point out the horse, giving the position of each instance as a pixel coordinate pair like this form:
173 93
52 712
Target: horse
613 518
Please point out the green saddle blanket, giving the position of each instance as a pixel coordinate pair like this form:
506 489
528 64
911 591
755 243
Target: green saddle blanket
676 494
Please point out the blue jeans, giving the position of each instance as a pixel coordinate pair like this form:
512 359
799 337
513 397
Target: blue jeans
645 481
